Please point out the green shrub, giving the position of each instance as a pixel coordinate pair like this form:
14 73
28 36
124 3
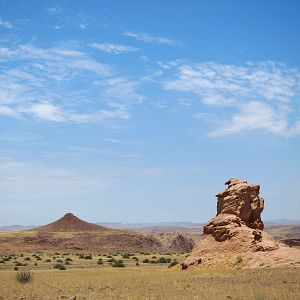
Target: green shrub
68 259
27 258
239 259
100 261
48 260
60 261
111 260
118 264
145 261
16 268
126 255
59 267
162 260
89 256
24 277
67 263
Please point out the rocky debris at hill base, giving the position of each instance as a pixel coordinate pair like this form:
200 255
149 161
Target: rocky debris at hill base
237 231
175 241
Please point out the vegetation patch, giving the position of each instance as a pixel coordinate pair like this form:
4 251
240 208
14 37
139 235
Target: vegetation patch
24 277
59 267
118 264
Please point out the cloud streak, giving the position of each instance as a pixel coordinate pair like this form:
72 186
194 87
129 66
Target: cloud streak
252 96
5 24
151 39
113 48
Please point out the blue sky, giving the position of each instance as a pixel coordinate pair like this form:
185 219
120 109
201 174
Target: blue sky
130 111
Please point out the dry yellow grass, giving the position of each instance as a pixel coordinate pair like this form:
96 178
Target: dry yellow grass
87 280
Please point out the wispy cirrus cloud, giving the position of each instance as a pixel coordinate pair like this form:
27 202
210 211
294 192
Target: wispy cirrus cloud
152 39
252 96
63 85
66 16
5 24
113 48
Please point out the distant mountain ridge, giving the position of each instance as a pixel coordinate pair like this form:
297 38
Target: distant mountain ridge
149 225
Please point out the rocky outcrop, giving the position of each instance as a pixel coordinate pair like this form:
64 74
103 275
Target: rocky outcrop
242 200
240 204
237 230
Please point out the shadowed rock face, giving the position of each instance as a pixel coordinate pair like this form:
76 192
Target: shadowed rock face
242 200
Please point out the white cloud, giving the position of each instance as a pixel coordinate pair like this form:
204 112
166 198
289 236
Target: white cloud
113 48
256 115
63 84
152 39
225 84
253 96
118 141
47 111
122 88
5 24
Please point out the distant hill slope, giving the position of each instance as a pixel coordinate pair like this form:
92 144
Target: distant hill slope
283 232
70 233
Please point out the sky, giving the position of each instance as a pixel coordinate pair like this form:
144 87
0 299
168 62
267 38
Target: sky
140 111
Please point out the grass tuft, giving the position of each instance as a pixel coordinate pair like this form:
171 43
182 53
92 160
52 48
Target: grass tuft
24 277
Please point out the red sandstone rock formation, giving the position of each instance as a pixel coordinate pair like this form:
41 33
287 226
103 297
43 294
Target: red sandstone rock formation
237 230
